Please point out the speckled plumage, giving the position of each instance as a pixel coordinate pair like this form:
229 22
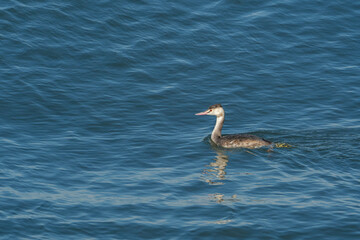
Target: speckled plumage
242 141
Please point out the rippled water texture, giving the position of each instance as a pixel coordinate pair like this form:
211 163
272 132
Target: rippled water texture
98 134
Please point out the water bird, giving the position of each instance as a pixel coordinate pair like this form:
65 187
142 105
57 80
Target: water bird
233 140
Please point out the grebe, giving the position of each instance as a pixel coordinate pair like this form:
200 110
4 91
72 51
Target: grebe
231 141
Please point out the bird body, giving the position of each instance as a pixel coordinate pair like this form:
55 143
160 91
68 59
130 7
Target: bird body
242 141
233 140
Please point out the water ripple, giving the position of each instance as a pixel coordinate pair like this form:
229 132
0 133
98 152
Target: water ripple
99 137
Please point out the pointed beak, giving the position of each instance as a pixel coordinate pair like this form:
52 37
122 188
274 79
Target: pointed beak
203 113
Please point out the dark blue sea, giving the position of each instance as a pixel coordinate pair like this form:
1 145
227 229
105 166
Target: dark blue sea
98 134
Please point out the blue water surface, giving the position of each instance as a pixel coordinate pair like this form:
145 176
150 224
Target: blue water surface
98 134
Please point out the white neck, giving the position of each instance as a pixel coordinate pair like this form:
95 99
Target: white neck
216 133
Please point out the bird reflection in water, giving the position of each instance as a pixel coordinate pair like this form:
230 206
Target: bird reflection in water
219 198
215 174
216 170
